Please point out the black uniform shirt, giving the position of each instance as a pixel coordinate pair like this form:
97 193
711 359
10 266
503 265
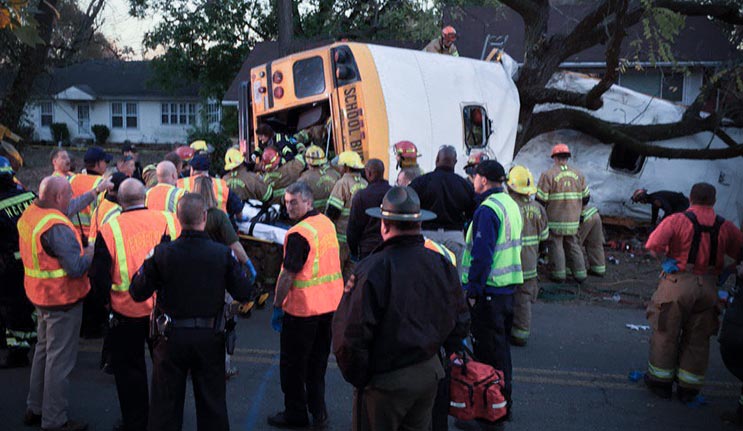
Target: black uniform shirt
669 202
190 276
363 231
297 248
448 195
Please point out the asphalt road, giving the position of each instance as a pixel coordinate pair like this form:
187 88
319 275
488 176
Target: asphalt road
573 375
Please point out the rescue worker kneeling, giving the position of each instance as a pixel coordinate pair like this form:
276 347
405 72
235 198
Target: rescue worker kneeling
190 276
402 304
683 311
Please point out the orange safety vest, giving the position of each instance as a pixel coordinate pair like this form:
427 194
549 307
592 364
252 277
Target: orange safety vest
442 250
81 184
129 238
103 213
46 282
219 187
163 197
318 287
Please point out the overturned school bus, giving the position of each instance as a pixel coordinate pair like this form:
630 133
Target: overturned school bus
369 97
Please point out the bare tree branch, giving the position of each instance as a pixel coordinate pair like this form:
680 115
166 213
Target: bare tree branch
637 138
525 8
612 57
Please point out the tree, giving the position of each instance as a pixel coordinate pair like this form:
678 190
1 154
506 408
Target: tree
606 24
63 34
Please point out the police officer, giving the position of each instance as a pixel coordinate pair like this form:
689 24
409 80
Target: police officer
17 330
683 310
190 276
491 270
387 348
120 248
731 343
307 293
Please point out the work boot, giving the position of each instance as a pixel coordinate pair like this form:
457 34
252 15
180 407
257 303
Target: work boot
596 274
686 395
519 342
69 426
31 419
279 420
661 389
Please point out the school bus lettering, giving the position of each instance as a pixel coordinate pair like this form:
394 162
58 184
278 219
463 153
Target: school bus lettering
353 119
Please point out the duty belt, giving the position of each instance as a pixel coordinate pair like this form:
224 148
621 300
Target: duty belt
194 323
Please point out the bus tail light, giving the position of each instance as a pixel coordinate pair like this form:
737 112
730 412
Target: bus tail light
277 77
278 92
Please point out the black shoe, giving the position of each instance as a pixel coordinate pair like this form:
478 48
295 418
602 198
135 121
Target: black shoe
686 395
279 420
69 426
31 419
661 389
319 421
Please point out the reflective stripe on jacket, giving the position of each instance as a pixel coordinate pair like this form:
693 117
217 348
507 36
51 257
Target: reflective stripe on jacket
129 238
103 213
535 231
164 197
81 184
506 267
46 283
442 250
318 287
562 189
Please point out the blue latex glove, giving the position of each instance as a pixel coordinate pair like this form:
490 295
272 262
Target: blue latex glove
276 318
669 266
250 272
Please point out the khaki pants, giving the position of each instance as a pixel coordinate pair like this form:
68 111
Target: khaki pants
591 235
683 316
525 295
398 400
559 247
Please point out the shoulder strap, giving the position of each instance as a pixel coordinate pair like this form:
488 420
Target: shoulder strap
714 233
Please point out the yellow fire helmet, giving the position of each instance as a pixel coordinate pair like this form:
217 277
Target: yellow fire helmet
350 159
202 146
521 181
232 159
315 156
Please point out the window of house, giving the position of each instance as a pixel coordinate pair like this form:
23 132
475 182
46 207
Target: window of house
117 115
309 78
673 85
476 126
47 114
178 113
124 115
132 119
643 81
625 160
213 112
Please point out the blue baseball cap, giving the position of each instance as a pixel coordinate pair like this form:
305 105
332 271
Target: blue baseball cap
95 154
200 162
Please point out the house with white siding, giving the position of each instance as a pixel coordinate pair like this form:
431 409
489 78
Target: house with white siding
123 96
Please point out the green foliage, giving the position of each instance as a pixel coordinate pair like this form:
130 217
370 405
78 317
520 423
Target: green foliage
17 18
229 121
660 27
101 133
60 133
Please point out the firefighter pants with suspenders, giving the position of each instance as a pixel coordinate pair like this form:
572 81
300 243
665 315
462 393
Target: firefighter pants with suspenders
683 316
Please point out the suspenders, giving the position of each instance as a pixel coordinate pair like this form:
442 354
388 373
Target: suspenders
714 233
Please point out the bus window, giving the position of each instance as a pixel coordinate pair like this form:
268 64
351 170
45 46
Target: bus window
309 78
476 126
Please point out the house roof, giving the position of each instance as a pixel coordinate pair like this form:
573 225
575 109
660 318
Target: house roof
702 40
108 79
263 52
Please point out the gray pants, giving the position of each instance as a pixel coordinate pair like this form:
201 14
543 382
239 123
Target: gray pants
451 239
54 358
399 400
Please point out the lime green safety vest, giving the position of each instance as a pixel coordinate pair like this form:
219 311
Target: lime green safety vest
506 267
